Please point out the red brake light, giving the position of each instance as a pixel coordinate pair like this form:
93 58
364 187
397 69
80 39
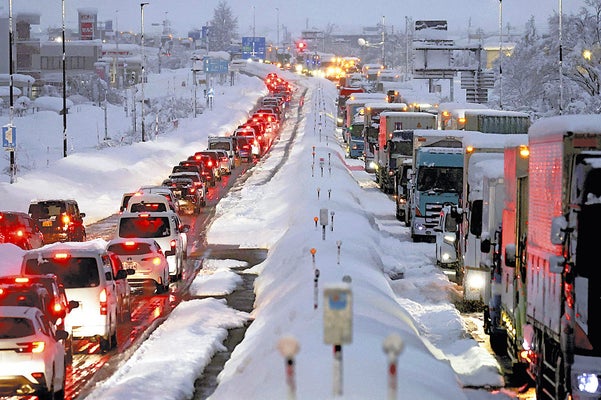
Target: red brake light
210 163
61 256
143 215
21 279
173 243
20 233
129 243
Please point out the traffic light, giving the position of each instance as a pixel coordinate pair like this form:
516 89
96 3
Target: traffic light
301 46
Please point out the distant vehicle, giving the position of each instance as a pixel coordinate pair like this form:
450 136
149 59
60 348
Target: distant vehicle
223 161
141 202
199 166
161 190
244 148
125 200
20 229
122 288
227 143
355 148
35 363
59 220
87 273
147 259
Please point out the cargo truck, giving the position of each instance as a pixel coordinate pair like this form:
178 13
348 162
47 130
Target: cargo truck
481 204
496 121
371 128
395 143
562 335
436 180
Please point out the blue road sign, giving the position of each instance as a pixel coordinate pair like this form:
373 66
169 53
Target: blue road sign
253 47
9 136
215 66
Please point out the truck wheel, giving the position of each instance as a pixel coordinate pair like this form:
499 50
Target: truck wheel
498 342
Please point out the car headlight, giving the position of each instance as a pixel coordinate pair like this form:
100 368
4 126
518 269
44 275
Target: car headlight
476 280
373 165
446 256
587 383
419 227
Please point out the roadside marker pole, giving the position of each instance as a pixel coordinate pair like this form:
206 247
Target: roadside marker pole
393 346
315 289
289 347
337 387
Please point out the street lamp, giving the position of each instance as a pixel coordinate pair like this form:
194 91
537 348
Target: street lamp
143 66
64 83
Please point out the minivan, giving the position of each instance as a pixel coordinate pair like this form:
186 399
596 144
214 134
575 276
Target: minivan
86 272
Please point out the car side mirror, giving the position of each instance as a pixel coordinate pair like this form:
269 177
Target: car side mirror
73 304
510 255
169 253
61 335
82 215
485 246
185 228
437 229
121 274
559 226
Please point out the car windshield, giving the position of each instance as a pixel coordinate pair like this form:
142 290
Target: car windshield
73 272
14 327
144 227
130 249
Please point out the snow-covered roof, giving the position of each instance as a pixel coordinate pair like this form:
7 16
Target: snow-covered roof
493 140
558 125
449 106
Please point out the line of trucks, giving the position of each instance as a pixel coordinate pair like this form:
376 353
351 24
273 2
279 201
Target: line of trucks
517 209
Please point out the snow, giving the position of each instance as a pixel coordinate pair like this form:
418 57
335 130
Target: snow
274 209
563 124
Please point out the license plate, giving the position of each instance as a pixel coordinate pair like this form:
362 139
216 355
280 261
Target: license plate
46 223
129 264
177 192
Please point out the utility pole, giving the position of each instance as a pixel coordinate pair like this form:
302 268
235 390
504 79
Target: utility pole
64 85
143 67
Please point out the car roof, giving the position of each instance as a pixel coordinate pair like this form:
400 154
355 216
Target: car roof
95 246
118 240
148 198
19 311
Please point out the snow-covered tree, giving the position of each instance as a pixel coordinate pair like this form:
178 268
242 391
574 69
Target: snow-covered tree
223 27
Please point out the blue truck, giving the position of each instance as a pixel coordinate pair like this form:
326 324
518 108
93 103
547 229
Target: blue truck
436 180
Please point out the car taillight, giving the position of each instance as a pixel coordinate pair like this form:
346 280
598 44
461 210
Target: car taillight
192 189
61 256
173 243
21 279
210 163
20 233
156 261
129 243
31 347
103 302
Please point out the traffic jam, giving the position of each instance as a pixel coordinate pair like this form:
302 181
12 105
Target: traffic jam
80 300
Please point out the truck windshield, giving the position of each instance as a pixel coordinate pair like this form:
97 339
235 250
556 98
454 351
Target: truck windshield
404 148
444 179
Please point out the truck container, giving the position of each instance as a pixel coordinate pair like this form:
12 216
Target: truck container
562 335
451 115
496 121
395 143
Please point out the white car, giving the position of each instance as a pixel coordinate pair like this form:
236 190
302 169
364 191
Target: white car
86 271
32 355
146 258
150 202
164 227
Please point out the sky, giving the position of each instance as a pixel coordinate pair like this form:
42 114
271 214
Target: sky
262 16
439 359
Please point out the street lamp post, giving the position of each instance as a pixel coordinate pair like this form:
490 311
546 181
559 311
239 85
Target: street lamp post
277 42
143 67
11 85
64 82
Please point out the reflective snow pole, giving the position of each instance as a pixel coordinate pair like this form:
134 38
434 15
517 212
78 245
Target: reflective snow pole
338 245
318 190
289 347
332 224
313 251
329 193
315 288
392 346
323 220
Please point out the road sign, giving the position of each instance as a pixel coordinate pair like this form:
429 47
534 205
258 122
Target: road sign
253 47
9 136
215 66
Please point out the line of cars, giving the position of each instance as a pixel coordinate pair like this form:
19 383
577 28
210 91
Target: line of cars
71 289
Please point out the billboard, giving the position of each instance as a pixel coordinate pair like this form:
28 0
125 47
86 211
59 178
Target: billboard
87 24
253 47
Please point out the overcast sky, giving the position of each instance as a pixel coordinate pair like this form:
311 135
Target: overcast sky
296 15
